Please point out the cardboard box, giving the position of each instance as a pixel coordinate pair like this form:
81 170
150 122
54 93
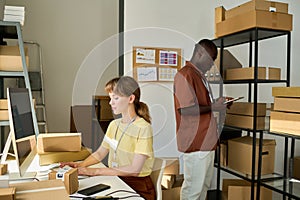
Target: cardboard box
240 155
168 181
3 169
296 168
286 91
241 189
224 154
68 176
8 193
270 6
263 73
247 108
105 109
3 104
10 59
229 62
287 104
254 18
172 165
284 122
37 190
174 192
63 156
4 115
56 142
243 121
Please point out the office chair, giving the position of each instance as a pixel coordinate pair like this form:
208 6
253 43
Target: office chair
157 174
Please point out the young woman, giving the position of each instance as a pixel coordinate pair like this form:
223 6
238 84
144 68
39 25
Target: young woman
128 140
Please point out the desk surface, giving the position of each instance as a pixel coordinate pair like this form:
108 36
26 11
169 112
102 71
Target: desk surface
115 182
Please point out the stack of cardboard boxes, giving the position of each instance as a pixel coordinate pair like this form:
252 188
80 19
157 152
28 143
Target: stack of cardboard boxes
286 115
60 147
241 114
255 13
172 180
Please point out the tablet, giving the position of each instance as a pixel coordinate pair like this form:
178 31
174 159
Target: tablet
232 100
93 189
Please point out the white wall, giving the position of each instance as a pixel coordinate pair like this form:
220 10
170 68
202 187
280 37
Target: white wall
180 24
68 31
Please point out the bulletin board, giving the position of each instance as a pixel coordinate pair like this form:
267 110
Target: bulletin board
152 64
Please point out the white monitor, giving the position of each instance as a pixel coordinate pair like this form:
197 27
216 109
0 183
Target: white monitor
22 135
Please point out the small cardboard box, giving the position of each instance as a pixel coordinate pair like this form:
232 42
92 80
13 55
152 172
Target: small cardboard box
254 18
240 155
263 73
69 177
37 190
63 156
10 59
296 168
168 181
285 122
3 104
286 91
174 192
55 142
247 108
8 193
287 104
172 165
235 189
3 169
243 121
270 6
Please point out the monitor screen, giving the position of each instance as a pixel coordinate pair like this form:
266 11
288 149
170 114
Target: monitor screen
22 134
21 112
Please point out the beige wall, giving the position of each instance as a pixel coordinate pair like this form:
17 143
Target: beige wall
67 31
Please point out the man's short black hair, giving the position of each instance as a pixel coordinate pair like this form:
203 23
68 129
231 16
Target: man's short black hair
210 47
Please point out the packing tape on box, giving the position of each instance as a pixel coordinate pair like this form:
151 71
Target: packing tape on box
60 174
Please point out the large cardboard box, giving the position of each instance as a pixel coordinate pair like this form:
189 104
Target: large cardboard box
296 168
68 176
37 190
254 18
234 189
243 121
240 155
8 193
284 122
229 62
247 108
63 156
263 73
10 59
270 6
287 104
53 142
286 91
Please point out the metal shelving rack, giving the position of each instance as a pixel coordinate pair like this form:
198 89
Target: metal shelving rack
253 36
12 30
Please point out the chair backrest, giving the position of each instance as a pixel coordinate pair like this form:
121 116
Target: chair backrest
157 174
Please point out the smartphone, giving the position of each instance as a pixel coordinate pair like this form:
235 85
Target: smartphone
234 99
94 189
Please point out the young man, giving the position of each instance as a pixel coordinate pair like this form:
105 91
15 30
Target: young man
196 127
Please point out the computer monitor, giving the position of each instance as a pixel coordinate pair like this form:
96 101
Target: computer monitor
22 135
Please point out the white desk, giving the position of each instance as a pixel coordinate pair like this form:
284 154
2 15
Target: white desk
115 182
